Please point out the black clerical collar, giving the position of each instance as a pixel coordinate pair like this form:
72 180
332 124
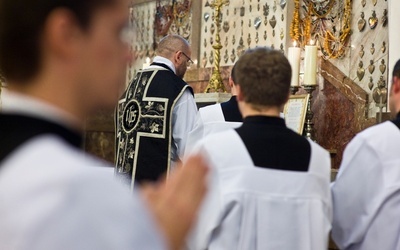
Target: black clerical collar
262 119
268 141
162 65
233 99
15 130
397 120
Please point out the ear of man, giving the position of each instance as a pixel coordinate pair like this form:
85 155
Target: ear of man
62 34
396 85
230 82
239 94
177 57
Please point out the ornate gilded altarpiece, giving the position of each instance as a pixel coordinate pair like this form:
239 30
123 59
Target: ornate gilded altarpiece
153 20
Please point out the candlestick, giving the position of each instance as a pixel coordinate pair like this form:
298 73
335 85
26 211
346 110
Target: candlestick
310 65
309 130
294 60
215 84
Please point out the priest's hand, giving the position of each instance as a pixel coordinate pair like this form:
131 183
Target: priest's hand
175 203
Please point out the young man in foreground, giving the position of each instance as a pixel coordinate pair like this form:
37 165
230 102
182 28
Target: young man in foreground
63 60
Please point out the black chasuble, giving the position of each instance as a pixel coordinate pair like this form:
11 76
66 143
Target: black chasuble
143 124
15 130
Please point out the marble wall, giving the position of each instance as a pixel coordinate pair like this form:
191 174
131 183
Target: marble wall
340 109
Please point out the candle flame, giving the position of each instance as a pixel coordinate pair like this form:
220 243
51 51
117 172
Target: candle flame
312 42
294 44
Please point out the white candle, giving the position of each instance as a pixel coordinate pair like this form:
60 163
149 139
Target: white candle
147 63
310 65
294 60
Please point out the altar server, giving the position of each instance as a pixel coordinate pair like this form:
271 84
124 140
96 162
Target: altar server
216 118
366 193
269 187
63 60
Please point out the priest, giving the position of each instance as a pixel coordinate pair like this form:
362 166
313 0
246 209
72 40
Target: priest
155 115
217 117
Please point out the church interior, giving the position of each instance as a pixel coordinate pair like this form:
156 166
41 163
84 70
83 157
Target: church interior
354 57
355 42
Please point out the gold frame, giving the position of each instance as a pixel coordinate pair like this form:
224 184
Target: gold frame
295 111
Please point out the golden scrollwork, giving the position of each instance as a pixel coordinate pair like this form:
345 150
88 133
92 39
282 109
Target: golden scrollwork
173 18
295 25
319 21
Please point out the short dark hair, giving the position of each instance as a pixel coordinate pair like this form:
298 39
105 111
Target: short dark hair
263 75
396 69
21 26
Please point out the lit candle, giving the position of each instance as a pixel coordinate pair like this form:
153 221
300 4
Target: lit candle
147 63
294 60
310 64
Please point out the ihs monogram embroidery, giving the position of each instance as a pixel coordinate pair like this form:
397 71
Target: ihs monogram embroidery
141 116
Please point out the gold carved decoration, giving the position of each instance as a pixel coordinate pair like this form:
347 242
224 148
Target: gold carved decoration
363 3
361 53
371 83
360 71
373 20
384 18
361 22
372 49
379 94
173 18
371 67
327 21
382 67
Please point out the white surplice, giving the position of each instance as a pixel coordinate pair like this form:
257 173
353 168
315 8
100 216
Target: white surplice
255 208
54 196
210 119
366 191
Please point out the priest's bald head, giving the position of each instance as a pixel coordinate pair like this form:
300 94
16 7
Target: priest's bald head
263 77
177 50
